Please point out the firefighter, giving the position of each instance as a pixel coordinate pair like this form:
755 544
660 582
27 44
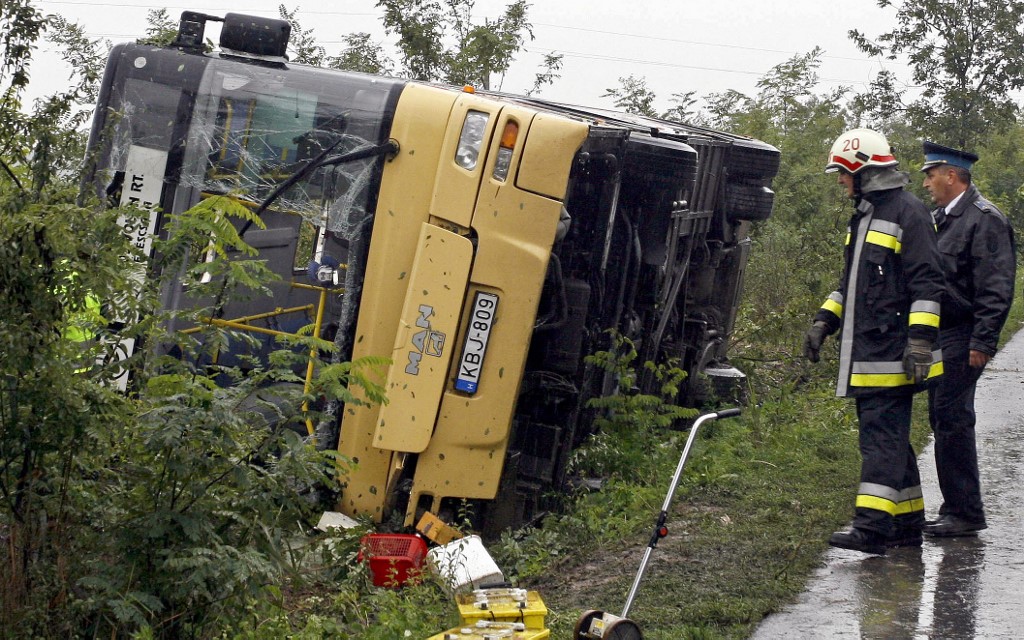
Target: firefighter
886 310
979 259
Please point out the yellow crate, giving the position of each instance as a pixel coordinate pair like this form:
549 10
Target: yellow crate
491 633
437 529
503 605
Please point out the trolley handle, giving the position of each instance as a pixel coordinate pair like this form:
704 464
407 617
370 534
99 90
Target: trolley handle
660 531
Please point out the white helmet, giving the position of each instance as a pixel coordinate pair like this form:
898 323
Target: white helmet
859 148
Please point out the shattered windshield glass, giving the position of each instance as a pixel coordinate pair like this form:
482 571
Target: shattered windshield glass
256 126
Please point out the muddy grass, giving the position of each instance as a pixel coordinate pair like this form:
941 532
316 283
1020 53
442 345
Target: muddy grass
714 576
746 530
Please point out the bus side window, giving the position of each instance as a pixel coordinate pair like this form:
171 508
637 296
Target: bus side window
231 132
276 125
305 246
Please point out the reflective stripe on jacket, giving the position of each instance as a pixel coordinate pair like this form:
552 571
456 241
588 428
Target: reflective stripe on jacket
889 292
83 322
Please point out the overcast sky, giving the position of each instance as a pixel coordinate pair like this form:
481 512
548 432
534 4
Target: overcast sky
677 45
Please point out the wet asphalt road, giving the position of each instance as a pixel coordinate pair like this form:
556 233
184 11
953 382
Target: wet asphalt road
954 588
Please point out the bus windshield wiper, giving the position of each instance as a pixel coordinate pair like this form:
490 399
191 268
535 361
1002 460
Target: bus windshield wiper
324 159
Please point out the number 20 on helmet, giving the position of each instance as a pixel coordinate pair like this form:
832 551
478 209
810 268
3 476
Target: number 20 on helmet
857 149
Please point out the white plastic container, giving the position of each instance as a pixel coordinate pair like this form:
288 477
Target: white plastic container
335 520
464 564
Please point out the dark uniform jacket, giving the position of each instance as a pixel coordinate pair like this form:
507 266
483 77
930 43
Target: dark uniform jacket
889 291
979 260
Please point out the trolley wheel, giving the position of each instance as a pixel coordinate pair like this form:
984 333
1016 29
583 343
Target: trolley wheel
582 630
611 627
623 629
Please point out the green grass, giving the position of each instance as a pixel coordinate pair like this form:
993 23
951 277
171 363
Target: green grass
749 523
760 495
748 526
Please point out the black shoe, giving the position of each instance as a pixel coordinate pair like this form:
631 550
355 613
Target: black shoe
859 540
950 526
905 538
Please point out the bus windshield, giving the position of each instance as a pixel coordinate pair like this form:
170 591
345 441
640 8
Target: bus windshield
255 126
220 125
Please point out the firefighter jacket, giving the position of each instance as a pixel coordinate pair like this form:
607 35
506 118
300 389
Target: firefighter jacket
889 292
979 260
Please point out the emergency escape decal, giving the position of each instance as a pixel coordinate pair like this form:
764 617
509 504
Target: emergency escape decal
143 185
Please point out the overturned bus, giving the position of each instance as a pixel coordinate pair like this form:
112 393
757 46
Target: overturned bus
485 244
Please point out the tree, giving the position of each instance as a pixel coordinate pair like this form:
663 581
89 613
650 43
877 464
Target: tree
684 109
162 29
966 55
551 67
633 96
22 26
363 55
304 47
424 27
162 512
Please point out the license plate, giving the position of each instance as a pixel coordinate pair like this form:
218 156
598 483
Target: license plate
477 333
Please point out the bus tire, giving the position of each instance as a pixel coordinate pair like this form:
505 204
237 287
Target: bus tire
750 161
748 202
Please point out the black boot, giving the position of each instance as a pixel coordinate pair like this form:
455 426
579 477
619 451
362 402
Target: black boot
910 537
950 526
859 540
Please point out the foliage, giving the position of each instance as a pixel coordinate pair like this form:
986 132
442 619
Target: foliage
50 266
37 426
361 54
632 96
631 425
438 41
550 71
23 25
164 513
998 177
487 48
684 109
966 56
423 28
184 507
202 505
162 29
304 47
45 141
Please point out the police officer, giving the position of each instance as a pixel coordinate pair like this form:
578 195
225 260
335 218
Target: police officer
979 260
886 309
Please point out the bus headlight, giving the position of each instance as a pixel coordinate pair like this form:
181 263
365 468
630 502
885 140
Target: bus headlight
468 152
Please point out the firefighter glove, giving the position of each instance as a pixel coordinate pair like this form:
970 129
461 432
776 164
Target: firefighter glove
812 341
917 359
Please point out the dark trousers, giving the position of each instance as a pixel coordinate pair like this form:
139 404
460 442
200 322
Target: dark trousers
951 413
889 498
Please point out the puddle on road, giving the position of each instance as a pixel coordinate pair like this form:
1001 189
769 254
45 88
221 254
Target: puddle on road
953 588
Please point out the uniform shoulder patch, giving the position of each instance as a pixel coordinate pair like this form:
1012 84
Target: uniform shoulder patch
985 206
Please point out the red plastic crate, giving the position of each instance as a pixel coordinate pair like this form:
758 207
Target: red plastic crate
395 559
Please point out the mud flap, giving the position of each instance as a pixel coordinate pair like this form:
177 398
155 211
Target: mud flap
425 340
